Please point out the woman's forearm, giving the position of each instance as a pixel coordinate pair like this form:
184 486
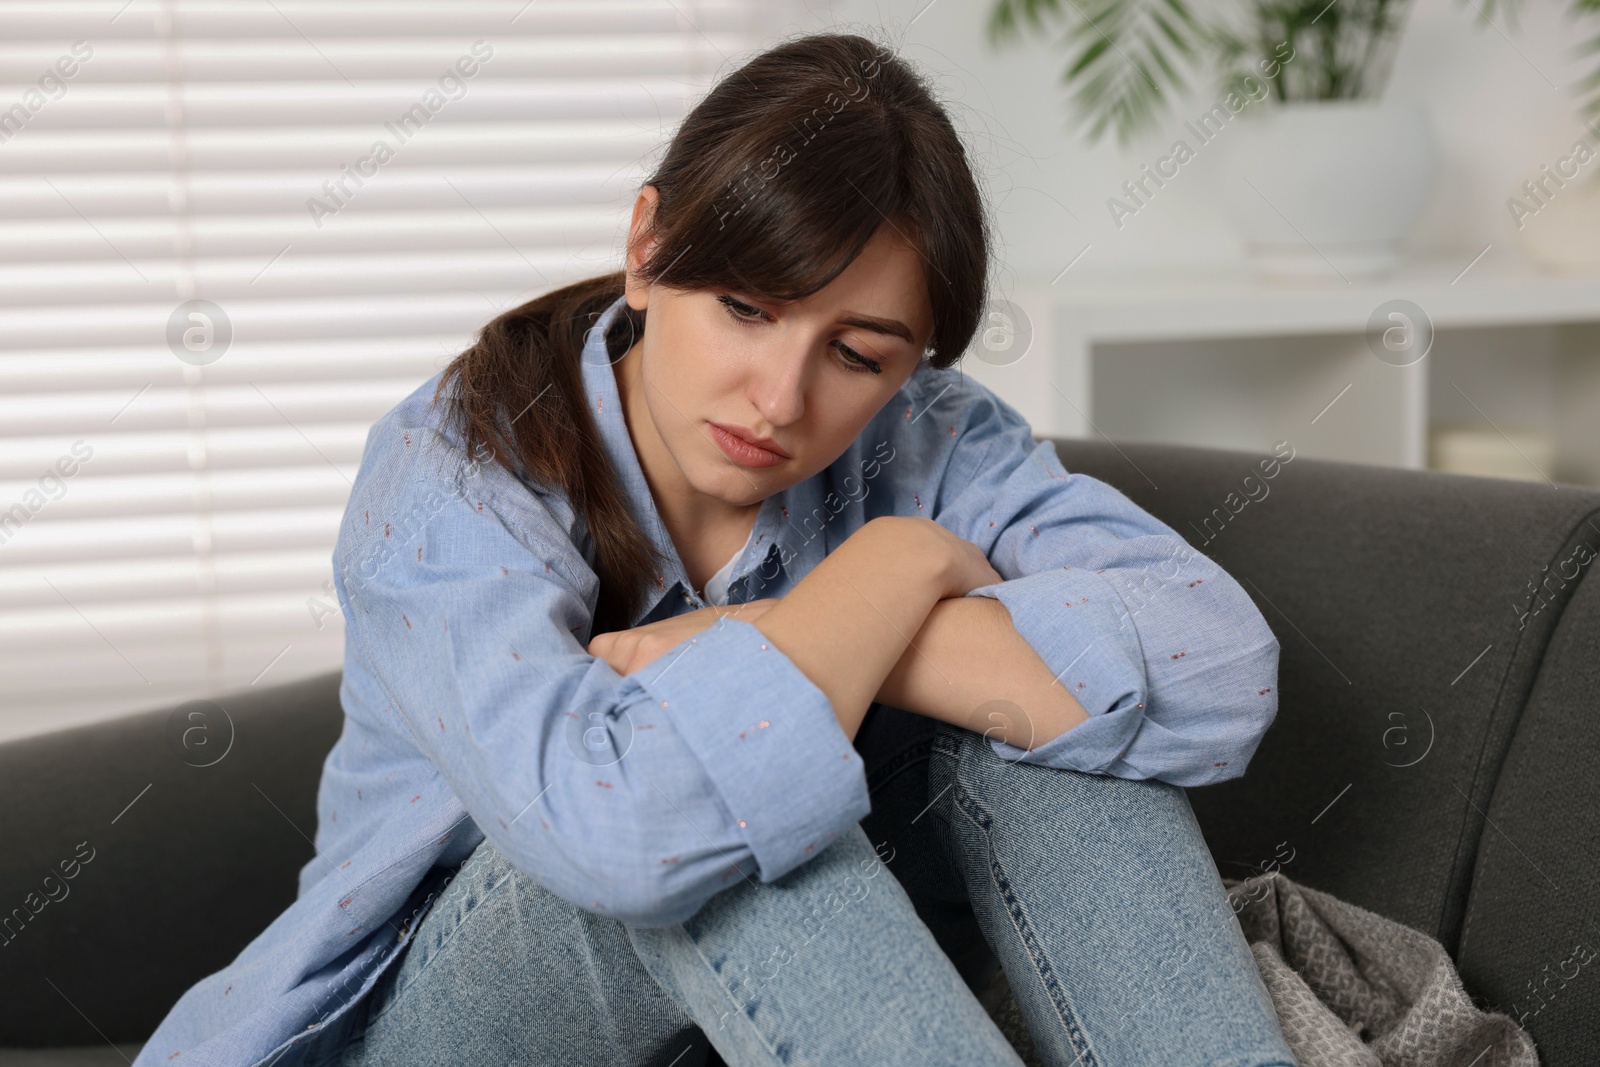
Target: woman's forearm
968 666
849 621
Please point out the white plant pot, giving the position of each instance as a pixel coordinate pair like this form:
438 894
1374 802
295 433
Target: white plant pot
1325 189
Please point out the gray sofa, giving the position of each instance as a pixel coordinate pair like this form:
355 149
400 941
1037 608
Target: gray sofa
1434 757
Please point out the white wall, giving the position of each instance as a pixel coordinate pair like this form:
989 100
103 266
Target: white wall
1495 115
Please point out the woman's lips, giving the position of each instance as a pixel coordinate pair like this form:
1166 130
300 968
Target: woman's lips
741 451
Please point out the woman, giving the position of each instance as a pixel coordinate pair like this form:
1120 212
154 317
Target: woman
580 815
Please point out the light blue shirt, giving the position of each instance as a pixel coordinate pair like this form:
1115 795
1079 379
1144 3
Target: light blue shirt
473 709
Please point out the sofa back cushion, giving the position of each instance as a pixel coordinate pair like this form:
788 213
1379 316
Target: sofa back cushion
144 853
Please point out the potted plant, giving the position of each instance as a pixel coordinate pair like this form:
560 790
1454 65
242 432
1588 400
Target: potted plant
1321 176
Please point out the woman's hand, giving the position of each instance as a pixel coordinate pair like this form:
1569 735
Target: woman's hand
628 650
964 566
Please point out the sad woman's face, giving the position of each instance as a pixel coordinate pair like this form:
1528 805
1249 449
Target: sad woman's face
722 368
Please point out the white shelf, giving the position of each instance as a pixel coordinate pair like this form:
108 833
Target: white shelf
1151 306
1227 360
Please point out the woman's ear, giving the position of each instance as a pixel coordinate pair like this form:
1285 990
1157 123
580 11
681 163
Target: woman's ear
641 244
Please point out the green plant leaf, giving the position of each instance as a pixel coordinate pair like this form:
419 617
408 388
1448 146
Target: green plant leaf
1126 57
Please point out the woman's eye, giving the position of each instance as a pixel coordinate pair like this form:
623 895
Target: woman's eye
739 311
858 362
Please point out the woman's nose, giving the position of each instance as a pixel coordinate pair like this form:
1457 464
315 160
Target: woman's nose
778 386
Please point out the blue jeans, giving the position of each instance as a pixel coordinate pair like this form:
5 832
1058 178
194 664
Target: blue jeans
1097 895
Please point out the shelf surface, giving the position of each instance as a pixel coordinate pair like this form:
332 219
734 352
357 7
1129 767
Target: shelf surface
1230 302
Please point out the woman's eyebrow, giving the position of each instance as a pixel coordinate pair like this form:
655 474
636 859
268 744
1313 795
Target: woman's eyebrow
890 327
887 327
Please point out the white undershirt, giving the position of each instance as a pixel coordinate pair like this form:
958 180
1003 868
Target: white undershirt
717 585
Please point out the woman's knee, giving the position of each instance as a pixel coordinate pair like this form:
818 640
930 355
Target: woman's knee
489 903
493 964
1020 811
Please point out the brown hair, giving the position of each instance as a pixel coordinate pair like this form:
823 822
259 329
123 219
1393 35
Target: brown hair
771 186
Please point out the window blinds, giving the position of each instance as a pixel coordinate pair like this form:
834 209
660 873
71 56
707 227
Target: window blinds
233 234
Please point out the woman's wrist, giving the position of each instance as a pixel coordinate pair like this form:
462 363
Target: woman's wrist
901 539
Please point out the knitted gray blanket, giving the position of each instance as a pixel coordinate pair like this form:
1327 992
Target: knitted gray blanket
1351 988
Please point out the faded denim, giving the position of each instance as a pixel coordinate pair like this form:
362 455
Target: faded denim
1097 894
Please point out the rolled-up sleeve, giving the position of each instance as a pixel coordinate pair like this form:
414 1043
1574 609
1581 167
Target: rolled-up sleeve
638 796
1165 651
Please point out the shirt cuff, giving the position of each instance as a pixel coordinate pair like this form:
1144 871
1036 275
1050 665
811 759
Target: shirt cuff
1082 630
766 736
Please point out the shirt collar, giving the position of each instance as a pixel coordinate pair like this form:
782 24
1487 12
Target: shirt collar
780 544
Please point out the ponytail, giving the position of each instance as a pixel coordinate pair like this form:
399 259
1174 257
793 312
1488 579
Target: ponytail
520 396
